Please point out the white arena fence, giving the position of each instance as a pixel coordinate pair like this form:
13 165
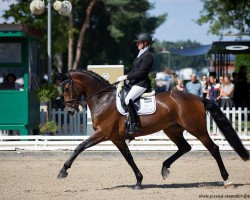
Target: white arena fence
73 130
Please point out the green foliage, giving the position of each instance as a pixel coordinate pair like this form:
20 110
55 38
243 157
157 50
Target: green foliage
111 31
152 81
225 15
48 127
46 92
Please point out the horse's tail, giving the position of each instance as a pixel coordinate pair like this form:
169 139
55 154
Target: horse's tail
226 128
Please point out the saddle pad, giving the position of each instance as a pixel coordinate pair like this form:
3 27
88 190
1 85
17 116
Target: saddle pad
147 105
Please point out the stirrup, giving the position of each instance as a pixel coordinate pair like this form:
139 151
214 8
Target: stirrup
134 128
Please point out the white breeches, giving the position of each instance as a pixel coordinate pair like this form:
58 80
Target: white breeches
134 93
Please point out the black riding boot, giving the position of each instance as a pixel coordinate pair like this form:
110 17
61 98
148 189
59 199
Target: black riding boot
135 123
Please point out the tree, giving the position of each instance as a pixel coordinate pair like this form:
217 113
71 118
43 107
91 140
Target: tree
112 29
82 33
102 34
225 15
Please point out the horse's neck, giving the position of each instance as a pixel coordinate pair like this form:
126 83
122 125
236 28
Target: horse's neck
99 103
94 91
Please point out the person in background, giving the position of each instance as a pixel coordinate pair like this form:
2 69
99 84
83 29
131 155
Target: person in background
167 74
162 85
213 90
194 86
173 80
241 87
10 83
180 85
226 93
221 80
204 84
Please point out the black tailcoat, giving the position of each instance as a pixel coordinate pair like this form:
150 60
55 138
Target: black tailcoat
141 68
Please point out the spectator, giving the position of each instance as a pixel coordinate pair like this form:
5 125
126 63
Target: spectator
180 85
10 83
204 84
235 77
221 80
241 87
161 84
226 93
167 74
213 90
194 86
173 80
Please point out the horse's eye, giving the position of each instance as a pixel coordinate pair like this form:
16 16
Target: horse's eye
67 90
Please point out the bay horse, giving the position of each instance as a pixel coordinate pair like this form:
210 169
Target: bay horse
175 112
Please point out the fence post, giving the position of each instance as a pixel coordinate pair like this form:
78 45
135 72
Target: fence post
239 120
71 124
43 116
208 123
84 117
59 124
233 117
65 122
245 121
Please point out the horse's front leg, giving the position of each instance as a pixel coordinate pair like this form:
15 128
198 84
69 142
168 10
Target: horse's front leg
122 146
91 141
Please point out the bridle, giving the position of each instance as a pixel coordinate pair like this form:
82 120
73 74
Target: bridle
74 91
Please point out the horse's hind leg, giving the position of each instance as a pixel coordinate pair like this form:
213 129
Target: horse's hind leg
176 135
91 141
215 152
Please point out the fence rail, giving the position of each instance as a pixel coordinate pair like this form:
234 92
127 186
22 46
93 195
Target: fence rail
67 124
145 143
78 125
73 130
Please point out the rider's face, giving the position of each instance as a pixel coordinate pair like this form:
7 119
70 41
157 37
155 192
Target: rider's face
139 45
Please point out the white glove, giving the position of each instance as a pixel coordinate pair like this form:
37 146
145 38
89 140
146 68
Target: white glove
122 78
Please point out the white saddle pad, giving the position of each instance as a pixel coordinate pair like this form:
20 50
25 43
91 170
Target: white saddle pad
147 107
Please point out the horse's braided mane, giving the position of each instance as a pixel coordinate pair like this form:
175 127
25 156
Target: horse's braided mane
91 73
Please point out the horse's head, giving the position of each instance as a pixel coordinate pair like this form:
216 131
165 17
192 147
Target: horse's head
73 96
78 85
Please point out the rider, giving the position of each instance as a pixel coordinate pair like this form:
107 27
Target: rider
138 78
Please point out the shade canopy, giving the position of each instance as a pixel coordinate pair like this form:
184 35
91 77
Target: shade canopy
221 47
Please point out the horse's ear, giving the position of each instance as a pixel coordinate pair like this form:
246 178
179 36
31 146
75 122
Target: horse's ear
66 76
61 76
57 75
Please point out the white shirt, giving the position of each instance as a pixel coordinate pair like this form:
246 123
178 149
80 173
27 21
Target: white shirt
227 89
142 51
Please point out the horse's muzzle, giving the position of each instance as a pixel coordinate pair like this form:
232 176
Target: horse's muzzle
72 111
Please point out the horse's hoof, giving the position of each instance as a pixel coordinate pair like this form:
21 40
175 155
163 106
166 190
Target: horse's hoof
62 175
165 172
228 184
137 187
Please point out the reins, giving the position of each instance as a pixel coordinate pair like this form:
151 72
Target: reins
104 89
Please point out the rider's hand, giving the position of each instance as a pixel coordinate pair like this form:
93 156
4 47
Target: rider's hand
122 78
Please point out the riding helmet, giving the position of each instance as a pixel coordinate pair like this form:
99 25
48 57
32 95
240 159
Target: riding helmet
143 37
